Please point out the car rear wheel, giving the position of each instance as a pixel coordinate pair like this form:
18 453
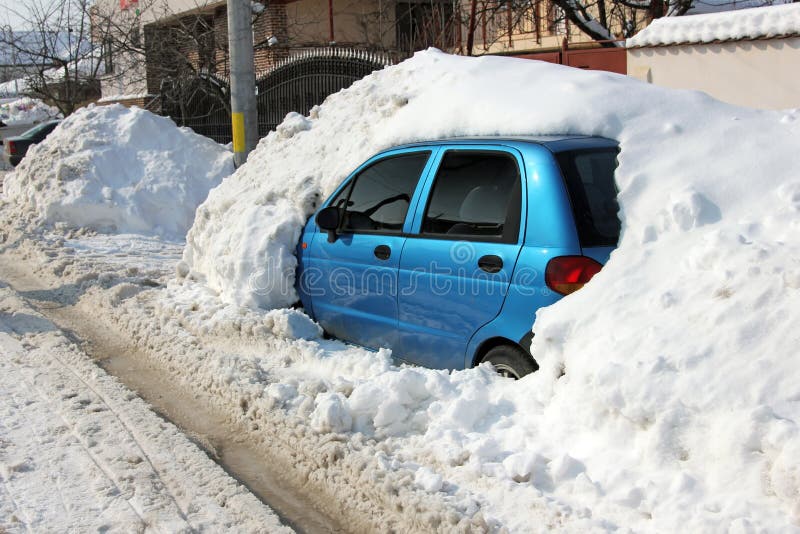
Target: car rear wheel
510 361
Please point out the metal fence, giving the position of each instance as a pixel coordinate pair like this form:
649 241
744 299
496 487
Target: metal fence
307 78
201 104
298 83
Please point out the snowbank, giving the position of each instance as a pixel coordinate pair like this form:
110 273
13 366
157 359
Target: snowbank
667 398
27 111
119 170
754 23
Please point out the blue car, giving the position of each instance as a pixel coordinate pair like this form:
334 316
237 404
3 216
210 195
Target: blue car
444 250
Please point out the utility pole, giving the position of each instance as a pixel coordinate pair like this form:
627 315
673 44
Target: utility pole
244 118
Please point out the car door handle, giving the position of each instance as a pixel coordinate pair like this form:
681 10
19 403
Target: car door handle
382 252
490 263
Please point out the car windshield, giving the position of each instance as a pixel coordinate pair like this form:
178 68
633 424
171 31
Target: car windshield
589 175
37 129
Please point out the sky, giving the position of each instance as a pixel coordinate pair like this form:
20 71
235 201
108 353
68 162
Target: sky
7 17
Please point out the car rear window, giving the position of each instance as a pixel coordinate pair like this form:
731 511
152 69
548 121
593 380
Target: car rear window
589 175
45 127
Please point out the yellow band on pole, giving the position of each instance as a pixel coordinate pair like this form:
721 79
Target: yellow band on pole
237 122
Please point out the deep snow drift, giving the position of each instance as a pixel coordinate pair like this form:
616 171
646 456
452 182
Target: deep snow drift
119 170
667 398
27 111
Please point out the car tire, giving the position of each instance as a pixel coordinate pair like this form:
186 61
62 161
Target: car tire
510 361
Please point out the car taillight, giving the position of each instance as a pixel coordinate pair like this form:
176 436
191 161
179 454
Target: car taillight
567 274
12 147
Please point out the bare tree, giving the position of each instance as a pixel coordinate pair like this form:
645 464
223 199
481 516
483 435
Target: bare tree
605 21
599 18
54 39
182 57
474 26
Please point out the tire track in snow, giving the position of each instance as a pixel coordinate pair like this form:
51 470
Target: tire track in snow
17 508
130 434
30 384
7 481
76 404
81 441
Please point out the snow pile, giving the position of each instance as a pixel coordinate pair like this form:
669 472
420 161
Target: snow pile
27 111
667 397
119 170
754 23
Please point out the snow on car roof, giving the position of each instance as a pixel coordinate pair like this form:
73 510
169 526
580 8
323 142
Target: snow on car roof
554 142
756 23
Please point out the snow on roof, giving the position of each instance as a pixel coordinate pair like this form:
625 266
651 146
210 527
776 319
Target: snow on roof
700 7
89 66
755 23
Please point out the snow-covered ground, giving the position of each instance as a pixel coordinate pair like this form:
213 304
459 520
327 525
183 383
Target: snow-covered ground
79 452
667 398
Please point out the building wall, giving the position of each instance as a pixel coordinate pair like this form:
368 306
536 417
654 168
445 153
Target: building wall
144 102
525 39
369 24
760 74
541 27
354 22
158 10
271 24
129 77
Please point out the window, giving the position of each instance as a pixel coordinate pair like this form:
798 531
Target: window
136 38
593 192
108 56
556 20
40 130
476 196
379 197
423 24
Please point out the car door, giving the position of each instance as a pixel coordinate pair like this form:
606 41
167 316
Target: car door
353 279
458 262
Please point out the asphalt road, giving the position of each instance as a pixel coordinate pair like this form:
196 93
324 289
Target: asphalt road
11 131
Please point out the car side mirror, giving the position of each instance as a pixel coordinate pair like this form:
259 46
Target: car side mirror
328 219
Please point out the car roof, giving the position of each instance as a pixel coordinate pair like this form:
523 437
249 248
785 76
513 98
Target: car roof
554 143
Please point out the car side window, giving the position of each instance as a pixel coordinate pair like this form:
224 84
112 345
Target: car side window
341 199
476 196
377 200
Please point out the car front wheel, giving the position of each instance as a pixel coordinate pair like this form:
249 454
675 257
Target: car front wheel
510 362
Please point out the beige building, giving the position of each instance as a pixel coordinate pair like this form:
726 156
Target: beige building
283 28
749 57
197 30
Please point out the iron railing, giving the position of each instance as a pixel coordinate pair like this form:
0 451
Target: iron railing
297 83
